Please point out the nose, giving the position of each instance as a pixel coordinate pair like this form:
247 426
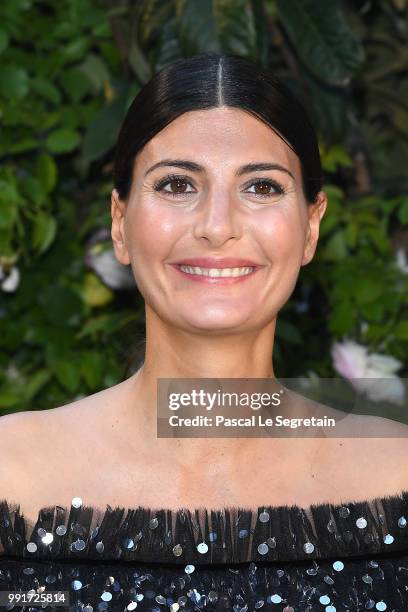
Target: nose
217 219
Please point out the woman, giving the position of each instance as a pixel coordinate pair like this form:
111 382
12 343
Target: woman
217 166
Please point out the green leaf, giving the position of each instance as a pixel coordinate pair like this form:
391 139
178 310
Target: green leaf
62 140
139 63
94 292
23 145
76 49
212 25
32 188
367 290
401 330
288 332
47 172
61 305
36 383
9 201
46 89
75 83
322 38
8 400
379 238
101 133
67 373
95 71
336 156
91 367
336 247
44 232
351 234
327 106
342 318
4 40
373 311
13 81
403 212
93 326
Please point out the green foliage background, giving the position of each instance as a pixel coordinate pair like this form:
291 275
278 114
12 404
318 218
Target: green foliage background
69 70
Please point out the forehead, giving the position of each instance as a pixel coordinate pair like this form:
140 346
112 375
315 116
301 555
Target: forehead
209 135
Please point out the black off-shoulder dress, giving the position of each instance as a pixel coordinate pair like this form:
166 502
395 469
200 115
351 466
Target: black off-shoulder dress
324 558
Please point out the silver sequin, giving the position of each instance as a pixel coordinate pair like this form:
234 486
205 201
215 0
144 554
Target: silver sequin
76 585
202 548
128 543
153 523
79 544
264 517
76 502
263 548
100 547
48 538
402 522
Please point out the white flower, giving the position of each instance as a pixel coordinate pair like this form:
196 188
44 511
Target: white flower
401 260
349 358
367 372
10 282
12 372
114 274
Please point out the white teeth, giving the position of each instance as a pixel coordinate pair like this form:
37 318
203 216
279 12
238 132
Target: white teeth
217 272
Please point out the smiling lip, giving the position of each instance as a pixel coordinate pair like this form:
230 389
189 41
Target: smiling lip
210 262
217 262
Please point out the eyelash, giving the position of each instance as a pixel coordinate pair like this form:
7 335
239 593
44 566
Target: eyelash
159 186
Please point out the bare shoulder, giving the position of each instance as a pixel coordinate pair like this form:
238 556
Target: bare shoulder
16 431
28 437
370 426
374 450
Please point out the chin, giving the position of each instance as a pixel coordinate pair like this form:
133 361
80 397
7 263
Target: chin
211 323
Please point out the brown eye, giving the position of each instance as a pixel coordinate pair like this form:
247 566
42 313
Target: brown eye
180 185
263 188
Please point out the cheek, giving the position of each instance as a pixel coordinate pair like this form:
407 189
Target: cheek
151 230
282 234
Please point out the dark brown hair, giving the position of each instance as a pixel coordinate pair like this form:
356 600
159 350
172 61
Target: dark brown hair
211 80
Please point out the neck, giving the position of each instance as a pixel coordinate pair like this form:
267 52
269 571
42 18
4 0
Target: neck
175 353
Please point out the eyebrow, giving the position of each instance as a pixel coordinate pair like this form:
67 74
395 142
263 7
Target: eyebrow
194 167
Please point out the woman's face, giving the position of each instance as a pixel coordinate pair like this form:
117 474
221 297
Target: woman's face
217 212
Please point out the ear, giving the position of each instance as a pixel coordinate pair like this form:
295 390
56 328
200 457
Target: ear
118 209
315 213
